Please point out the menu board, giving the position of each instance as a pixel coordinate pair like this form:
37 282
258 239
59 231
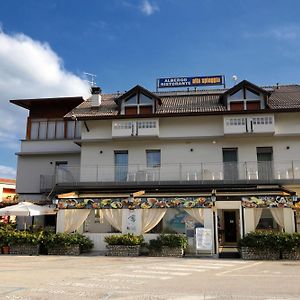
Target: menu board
204 239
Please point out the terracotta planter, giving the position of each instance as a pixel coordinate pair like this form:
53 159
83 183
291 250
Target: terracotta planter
5 250
250 253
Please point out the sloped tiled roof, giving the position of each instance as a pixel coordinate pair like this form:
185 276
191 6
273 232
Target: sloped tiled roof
185 102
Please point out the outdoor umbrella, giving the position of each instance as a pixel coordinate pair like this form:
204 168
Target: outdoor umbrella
26 209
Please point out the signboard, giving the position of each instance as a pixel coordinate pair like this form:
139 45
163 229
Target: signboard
204 239
190 81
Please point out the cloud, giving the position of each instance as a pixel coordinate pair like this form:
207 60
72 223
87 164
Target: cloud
29 69
283 33
7 172
148 8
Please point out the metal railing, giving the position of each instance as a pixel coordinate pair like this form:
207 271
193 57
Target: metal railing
177 172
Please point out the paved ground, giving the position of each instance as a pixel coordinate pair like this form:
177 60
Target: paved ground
103 278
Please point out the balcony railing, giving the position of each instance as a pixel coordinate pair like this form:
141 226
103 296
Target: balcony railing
266 171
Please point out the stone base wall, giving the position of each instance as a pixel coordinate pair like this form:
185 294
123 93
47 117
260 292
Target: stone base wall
291 255
66 250
167 252
24 249
259 254
120 250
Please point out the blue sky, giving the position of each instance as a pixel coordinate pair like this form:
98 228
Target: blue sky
129 42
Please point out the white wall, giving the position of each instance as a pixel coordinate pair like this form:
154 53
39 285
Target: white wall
49 146
30 168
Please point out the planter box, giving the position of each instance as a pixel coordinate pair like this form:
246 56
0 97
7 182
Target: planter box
259 254
121 250
25 249
167 252
64 250
291 255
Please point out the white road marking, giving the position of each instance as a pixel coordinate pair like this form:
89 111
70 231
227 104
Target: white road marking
241 268
174 269
162 272
194 266
139 276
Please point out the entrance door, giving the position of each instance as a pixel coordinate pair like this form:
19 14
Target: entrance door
265 163
230 226
121 165
230 167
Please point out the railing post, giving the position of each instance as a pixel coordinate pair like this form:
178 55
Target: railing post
293 170
246 171
202 172
180 171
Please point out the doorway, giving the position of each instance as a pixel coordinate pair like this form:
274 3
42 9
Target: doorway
230 226
230 167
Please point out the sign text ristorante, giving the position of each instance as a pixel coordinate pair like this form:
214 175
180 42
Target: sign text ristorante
190 81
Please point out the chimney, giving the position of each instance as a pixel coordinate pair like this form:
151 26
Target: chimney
96 96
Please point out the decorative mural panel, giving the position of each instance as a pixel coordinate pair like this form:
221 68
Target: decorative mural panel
143 203
267 201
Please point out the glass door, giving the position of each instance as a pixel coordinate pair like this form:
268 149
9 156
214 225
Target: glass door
121 165
265 163
230 167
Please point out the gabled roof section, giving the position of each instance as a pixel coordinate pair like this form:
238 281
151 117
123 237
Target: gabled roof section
245 84
137 89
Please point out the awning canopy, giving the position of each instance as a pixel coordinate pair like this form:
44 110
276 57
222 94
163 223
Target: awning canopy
26 209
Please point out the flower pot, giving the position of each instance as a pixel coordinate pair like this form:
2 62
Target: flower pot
5 250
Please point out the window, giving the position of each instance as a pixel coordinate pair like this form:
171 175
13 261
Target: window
267 221
54 129
153 158
139 103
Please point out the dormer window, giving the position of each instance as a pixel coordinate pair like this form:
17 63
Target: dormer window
138 104
137 101
245 97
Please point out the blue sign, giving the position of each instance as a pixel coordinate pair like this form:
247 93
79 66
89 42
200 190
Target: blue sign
190 81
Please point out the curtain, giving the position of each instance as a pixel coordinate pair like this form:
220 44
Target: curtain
74 218
257 215
196 213
277 214
114 217
151 217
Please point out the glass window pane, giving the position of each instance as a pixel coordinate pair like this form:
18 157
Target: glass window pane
153 158
34 133
43 130
60 129
145 99
70 129
51 130
237 96
131 100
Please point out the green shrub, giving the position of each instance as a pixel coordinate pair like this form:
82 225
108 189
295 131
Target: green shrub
124 239
53 240
169 240
271 240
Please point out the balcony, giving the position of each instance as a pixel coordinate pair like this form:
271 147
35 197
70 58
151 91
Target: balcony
176 173
135 128
249 124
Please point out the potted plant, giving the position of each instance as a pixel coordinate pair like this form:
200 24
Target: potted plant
4 241
66 243
168 245
124 245
24 243
264 245
290 246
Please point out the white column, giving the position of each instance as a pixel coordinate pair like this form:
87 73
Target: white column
289 221
249 220
60 221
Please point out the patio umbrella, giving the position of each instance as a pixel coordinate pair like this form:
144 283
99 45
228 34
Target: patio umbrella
26 209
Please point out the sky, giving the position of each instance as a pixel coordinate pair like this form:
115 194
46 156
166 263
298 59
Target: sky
46 46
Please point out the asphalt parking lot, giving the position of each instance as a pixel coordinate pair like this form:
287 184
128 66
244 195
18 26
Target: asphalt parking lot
100 277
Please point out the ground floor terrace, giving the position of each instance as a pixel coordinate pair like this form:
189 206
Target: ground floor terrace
213 222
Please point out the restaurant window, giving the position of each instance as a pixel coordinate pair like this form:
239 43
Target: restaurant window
267 221
153 158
